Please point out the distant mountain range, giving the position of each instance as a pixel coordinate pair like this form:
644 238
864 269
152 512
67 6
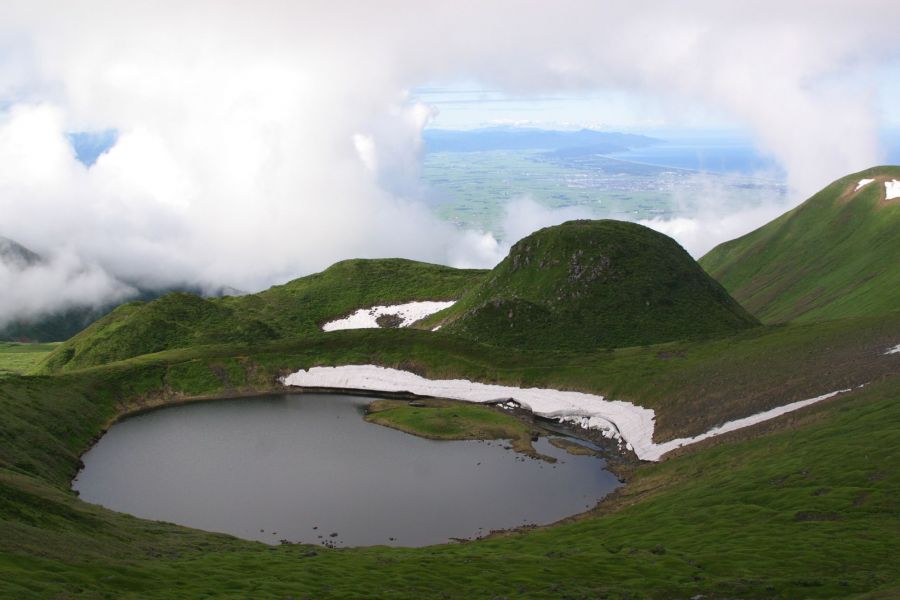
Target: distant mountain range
524 138
60 325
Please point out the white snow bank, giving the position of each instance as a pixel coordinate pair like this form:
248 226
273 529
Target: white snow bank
625 421
894 350
891 189
365 318
745 422
862 182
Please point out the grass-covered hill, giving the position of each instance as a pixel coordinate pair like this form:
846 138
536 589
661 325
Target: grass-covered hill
298 308
576 286
803 506
835 255
594 284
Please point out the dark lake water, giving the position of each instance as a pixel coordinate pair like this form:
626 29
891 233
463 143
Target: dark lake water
301 467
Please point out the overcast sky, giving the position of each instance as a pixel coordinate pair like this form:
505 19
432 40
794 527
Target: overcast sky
262 141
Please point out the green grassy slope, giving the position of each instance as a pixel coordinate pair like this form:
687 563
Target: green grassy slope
590 284
835 255
692 385
176 320
20 358
302 305
807 510
804 506
181 320
581 285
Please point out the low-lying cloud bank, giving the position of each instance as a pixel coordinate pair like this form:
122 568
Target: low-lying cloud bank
259 143
55 284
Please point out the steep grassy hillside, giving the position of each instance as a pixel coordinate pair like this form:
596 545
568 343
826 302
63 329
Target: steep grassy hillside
835 255
180 320
20 358
712 521
594 284
802 507
176 320
302 305
577 286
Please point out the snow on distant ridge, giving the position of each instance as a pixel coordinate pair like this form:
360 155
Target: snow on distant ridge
631 424
367 318
891 189
862 182
894 350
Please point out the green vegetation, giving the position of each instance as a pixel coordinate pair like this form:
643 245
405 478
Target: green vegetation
298 308
807 509
588 284
452 420
54 327
581 285
474 188
20 358
801 506
835 255
692 385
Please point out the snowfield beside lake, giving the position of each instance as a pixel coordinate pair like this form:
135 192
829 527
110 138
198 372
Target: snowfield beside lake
631 424
367 318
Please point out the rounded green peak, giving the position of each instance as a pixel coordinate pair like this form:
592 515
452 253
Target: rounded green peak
589 284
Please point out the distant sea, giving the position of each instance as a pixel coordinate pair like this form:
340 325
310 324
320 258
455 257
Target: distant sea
711 155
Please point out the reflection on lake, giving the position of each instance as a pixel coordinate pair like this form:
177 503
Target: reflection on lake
302 467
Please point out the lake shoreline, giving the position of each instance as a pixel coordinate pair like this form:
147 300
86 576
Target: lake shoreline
141 470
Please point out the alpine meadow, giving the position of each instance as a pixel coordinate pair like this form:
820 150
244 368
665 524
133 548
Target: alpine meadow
419 300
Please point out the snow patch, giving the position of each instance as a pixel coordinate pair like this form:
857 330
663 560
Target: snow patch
632 425
891 189
862 182
894 350
745 422
367 318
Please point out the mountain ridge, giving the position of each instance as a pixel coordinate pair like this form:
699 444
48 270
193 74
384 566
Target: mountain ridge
834 255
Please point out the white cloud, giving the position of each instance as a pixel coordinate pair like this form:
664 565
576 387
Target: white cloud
259 143
717 211
59 283
524 215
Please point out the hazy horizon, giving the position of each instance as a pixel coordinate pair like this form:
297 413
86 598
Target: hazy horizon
252 145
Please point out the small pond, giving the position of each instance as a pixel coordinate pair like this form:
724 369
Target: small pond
303 467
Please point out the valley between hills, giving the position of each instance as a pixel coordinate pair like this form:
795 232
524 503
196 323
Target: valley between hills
801 505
